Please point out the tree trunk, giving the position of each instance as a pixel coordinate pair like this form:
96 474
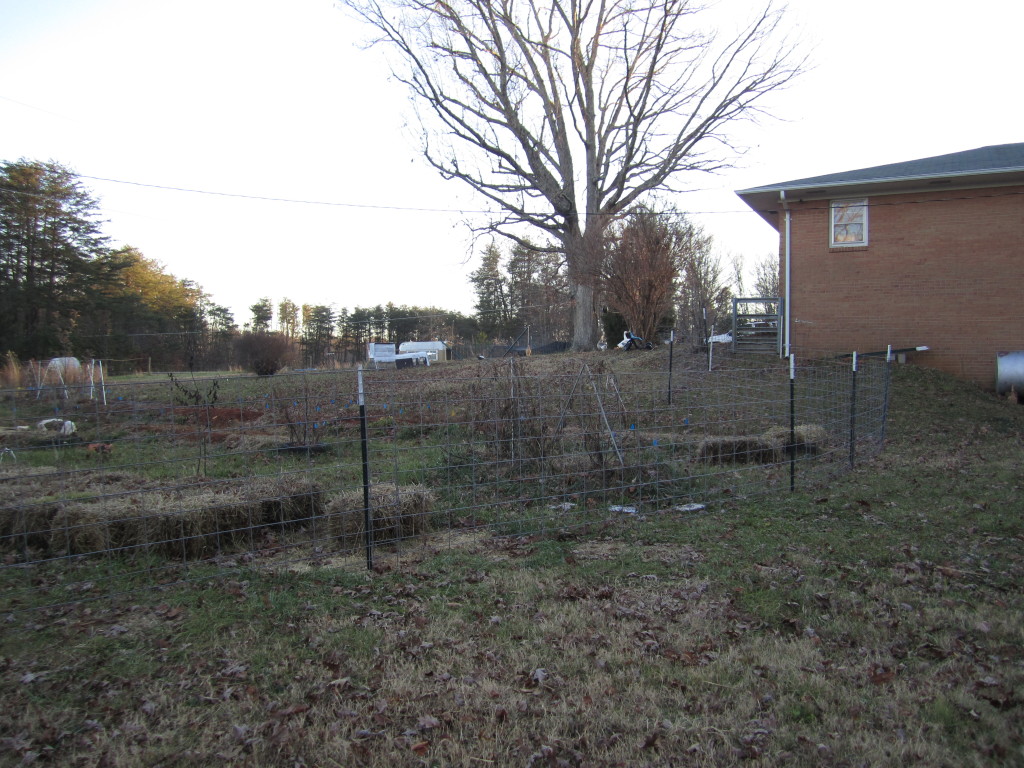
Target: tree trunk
584 325
582 257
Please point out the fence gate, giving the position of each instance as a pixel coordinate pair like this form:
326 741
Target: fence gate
756 325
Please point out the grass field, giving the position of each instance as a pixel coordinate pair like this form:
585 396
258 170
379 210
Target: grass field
874 621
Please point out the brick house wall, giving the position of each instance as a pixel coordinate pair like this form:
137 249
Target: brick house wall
941 269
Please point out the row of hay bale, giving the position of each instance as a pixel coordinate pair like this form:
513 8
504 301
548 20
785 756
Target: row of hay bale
771 447
89 514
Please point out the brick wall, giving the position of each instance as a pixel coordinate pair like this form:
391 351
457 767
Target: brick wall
941 269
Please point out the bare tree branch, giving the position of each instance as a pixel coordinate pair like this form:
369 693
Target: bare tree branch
564 113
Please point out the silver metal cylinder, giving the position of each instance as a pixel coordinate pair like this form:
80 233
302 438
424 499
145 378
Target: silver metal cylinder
1010 372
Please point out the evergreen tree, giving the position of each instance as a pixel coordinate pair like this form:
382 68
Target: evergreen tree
288 318
49 242
491 286
318 335
262 315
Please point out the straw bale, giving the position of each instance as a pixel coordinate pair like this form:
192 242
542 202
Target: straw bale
195 523
807 438
286 498
27 506
748 449
189 526
26 524
398 512
81 528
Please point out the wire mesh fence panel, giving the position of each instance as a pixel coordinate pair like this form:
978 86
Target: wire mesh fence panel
144 482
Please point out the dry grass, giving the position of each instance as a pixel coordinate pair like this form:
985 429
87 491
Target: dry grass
10 372
872 622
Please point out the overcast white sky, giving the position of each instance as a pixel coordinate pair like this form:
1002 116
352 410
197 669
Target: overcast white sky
275 99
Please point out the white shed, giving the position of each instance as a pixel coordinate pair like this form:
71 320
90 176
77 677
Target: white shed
436 350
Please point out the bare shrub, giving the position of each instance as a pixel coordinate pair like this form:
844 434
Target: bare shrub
264 353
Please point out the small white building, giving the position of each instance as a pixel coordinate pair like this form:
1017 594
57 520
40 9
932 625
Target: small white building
377 353
437 350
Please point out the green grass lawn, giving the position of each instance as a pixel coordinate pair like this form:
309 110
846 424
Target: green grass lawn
872 621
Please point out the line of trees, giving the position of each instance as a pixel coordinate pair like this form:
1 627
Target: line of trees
64 291
325 336
657 271
528 286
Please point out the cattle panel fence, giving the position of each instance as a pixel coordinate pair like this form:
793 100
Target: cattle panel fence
154 480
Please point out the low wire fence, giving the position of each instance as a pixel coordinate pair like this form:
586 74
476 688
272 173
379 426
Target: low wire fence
139 483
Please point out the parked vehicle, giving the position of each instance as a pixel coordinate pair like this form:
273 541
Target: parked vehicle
631 341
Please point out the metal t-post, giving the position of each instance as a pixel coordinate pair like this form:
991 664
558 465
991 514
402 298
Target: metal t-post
671 346
367 516
853 412
792 423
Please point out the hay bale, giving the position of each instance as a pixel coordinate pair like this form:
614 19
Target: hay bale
80 529
807 439
175 525
27 506
109 510
397 512
748 449
187 523
27 524
210 521
289 498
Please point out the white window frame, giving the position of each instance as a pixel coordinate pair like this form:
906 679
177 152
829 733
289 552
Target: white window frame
845 204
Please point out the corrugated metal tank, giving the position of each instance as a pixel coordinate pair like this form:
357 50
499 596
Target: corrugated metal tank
1010 372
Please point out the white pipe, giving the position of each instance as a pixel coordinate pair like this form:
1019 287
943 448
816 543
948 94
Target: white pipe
789 274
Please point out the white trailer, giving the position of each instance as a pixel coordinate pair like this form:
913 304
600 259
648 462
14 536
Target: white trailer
437 350
378 353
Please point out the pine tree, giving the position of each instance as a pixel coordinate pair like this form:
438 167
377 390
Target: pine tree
49 240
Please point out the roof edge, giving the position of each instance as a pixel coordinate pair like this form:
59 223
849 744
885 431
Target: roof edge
810 182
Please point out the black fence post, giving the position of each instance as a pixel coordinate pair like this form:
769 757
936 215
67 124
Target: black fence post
367 515
671 346
885 395
792 423
853 412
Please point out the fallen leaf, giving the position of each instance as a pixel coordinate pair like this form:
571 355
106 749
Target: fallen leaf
427 722
879 674
651 740
295 709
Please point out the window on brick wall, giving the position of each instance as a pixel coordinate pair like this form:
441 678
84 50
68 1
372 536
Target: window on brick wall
849 222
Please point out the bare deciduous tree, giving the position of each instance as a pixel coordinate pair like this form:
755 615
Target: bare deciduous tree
645 257
766 276
705 299
565 114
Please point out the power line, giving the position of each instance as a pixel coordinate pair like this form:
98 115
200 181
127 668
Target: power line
295 201
875 202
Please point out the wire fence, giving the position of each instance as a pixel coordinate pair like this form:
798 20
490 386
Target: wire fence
139 483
